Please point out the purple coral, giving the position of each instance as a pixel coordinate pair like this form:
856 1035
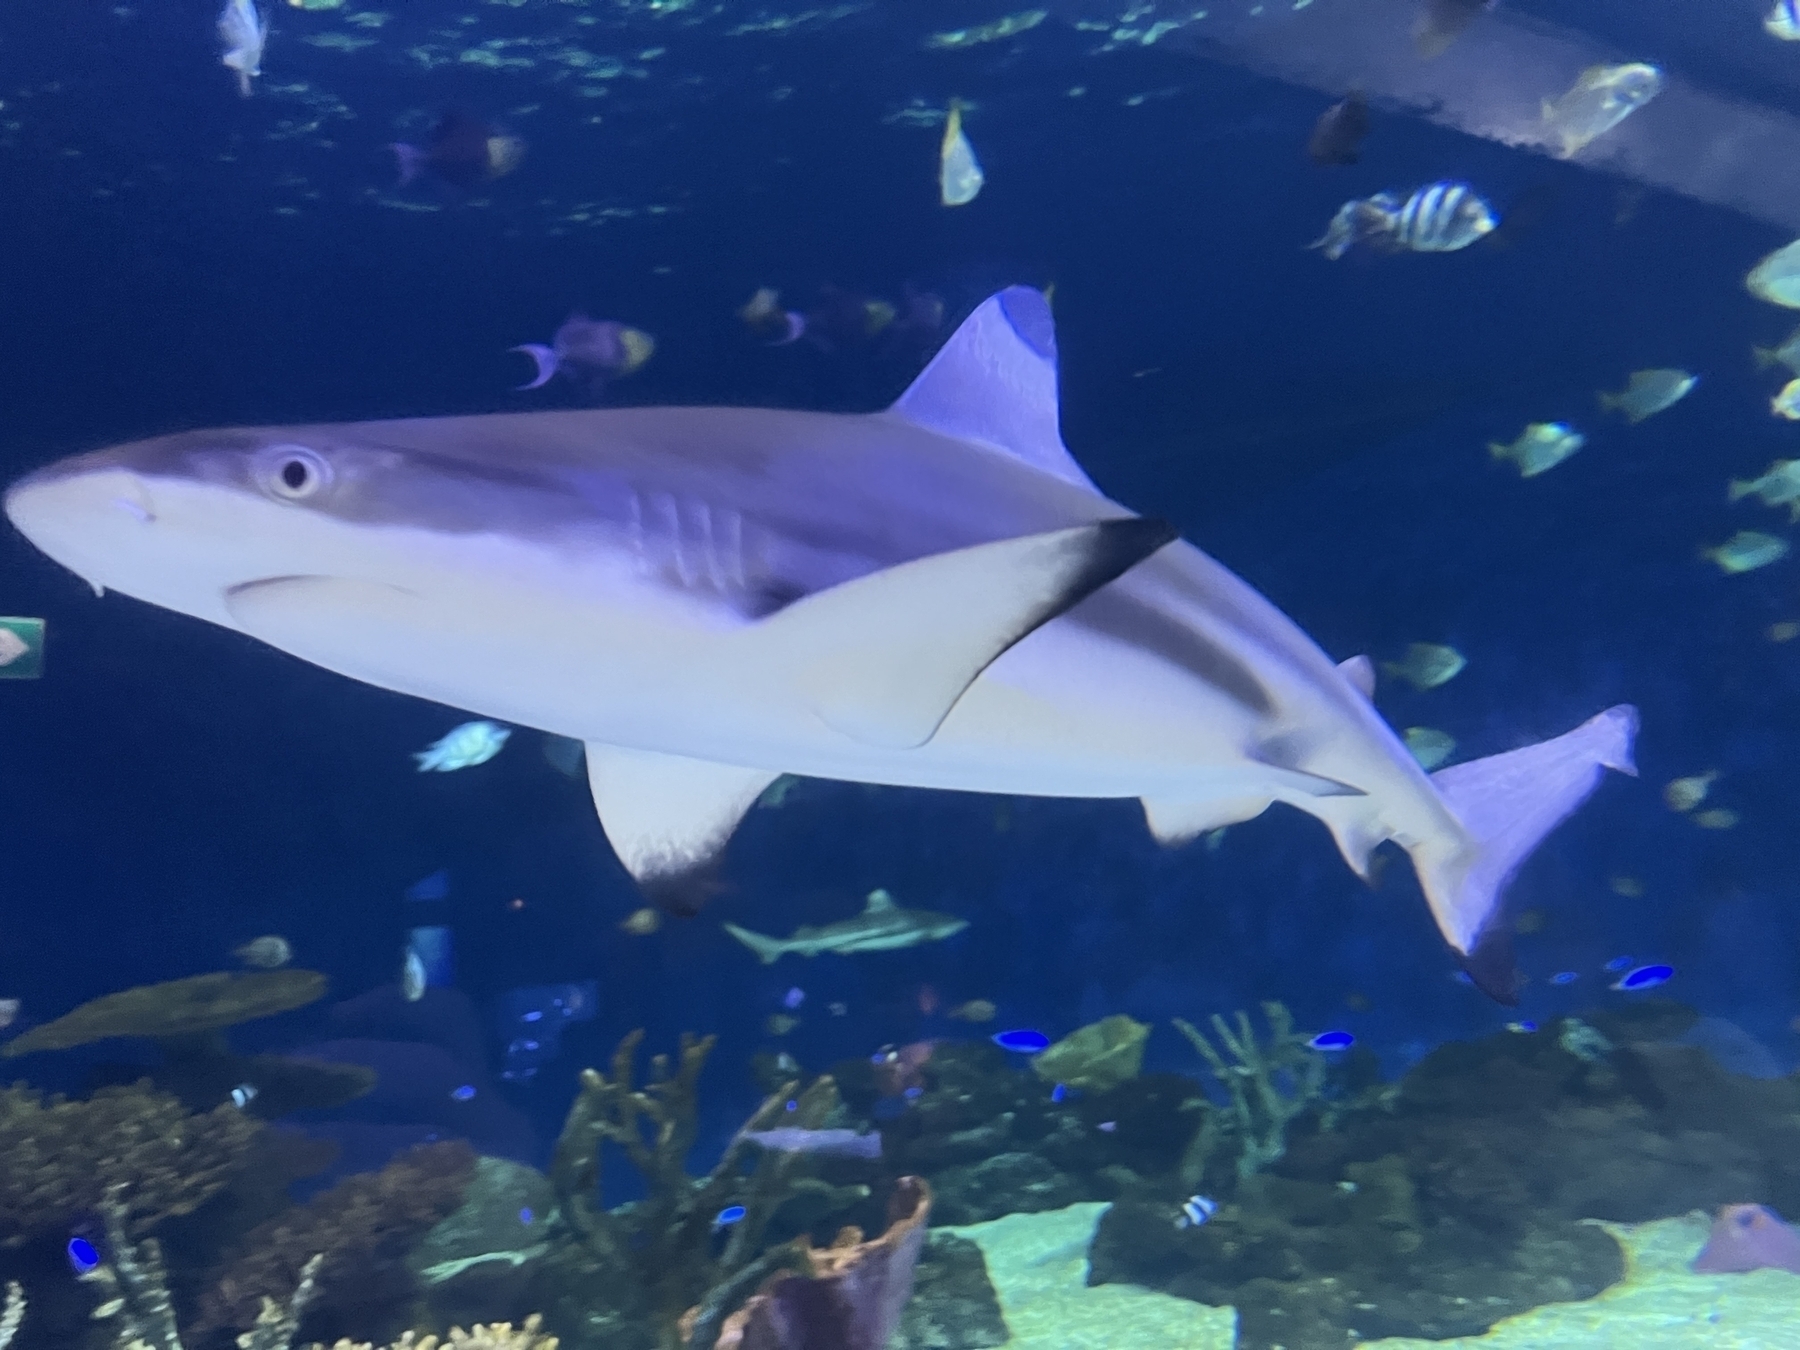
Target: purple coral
1748 1237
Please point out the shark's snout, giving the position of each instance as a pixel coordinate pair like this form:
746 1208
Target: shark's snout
71 508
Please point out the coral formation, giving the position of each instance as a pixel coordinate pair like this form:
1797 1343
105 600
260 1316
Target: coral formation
175 1008
12 1313
1271 1084
954 1306
628 1274
363 1227
848 1296
133 1286
63 1158
1458 1196
492 1336
1096 1057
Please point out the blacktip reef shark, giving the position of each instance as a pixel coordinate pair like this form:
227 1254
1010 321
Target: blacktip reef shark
882 926
934 595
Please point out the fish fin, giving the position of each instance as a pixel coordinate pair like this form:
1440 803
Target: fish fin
994 381
878 902
1507 803
768 949
1609 402
546 361
1356 828
1360 672
882 659
1765 357
1173 821
1739 488
1499 451
669 817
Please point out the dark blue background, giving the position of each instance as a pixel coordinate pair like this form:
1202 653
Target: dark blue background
170 790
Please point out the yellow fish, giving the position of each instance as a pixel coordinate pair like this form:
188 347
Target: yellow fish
1746 551
1429 746
1426 665
1648 392
1602 98
1779 486
1787 402
1540 447
1684 794
959 172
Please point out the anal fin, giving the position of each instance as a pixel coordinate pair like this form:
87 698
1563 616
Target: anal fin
669 817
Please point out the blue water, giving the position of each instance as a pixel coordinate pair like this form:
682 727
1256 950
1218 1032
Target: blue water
174 256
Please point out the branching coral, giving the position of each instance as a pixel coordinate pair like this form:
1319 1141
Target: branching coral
1270 1083
665 1240
63 1158
362 1227
494 1336
12 1314
133 1286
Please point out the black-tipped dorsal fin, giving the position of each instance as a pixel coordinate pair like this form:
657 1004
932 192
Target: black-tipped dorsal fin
995 381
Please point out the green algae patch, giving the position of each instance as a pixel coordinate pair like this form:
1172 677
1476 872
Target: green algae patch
176 1008
1659 1305
1038 1266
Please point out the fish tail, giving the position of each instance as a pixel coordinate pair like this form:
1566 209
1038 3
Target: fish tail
1507 804
768 949
1765 357
1499 451
1610 402
1739 488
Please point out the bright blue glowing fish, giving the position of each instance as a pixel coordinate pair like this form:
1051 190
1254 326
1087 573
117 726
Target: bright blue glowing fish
1564 977
1332 1040
1618 963
82 1256
465 1093
729 1215
1644 977
1022 1041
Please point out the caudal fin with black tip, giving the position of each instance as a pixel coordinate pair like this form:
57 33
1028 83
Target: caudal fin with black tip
1507 804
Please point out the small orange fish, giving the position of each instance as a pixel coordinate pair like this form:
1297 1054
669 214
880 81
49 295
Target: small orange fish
641 922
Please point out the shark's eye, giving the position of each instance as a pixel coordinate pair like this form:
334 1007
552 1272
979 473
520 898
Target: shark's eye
293 471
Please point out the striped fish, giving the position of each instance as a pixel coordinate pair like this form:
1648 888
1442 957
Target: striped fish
1196 1211
1784 21
1437 218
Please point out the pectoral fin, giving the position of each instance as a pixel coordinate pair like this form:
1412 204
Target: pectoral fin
669 817
884 658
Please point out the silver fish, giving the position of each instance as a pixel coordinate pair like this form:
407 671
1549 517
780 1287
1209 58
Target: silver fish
829 1143
245 32
882 926
1437 218
711 597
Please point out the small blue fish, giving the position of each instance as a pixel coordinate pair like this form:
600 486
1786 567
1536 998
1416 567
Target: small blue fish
465 1093
1022 1041
434 887
1564 977
1059 1094
1618 963
82 1256
243 1094
526 1216
793 998
729 1215
1522 1028
1644 977
1332 1040
1196 1211
1107 1126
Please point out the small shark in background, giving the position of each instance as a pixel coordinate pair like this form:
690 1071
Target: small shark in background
935 595
883 926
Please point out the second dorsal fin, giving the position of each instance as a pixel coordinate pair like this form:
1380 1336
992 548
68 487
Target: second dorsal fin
995 381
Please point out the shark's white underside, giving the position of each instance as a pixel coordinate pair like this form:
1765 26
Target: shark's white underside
712 597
